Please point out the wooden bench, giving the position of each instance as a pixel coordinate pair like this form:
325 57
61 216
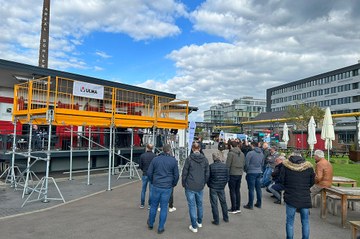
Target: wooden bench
355 227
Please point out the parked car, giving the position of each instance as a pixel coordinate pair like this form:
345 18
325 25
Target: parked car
208 141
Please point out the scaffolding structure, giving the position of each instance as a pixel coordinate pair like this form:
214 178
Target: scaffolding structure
57 101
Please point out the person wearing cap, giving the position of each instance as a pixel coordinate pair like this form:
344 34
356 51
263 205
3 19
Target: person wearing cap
297 176
323 174
219 176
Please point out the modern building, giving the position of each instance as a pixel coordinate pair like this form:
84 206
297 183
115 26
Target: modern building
338 89
242 109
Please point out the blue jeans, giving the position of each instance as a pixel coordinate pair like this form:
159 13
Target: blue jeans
266 179
253 182
159 196
290 217
275 189
195 206
145 182
214 195
234 188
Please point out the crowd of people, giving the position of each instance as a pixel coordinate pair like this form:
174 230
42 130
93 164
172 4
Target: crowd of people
290 179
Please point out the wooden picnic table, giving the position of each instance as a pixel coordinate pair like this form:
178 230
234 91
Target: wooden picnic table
344 193
339 180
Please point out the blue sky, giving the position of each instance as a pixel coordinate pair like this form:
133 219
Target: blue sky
206 52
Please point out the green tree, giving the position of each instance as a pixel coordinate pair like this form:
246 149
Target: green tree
300 115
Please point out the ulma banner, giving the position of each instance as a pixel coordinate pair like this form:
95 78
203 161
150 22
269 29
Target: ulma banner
88 90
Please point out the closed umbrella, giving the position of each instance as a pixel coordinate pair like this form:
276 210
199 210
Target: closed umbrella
327 131
285 137
311 135
358 130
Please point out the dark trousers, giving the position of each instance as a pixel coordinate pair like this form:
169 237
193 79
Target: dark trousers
234 187
214 195
171 200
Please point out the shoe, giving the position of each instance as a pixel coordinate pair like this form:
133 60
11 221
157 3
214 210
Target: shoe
248 207
215 223
149 207
238 211
199 225
141 206
232 211
277 202
257 205
161 231
194 230
267 190
159 209
150 227
172 209
226 220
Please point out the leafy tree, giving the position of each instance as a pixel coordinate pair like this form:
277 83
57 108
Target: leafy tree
300 115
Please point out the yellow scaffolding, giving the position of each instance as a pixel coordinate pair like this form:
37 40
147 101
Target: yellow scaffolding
117 107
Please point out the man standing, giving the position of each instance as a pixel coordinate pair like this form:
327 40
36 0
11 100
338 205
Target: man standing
323 174
253 165
297 176
145 160
219 176
195 175
235 162
163 174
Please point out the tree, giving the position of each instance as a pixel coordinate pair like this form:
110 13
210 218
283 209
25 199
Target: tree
300 115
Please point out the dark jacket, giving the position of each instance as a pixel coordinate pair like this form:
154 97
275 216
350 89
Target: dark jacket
246 149
254 161
276 173
235 161
219 175
297 176
163 171
145 160
195 173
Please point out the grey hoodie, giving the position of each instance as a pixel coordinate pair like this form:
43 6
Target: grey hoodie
235 161
254 161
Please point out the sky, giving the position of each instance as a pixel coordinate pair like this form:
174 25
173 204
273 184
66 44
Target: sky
206 52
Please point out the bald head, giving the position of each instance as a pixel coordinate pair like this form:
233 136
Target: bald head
149 147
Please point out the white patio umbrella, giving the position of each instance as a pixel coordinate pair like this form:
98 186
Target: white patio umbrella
358 129
327 131
285 136
311 135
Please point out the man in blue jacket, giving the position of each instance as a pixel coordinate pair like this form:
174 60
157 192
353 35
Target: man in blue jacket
195 175
163 174
254 161
145 160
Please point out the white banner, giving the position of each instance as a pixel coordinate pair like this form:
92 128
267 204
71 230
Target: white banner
88 90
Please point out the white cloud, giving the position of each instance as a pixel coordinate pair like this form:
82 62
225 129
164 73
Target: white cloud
102 54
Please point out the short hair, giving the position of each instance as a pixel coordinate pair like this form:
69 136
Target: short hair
253 143
149 147
234 144
296 153
216 156
195 146
274 148
167 148
319 153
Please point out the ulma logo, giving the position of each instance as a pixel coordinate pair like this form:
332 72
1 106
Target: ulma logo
87 90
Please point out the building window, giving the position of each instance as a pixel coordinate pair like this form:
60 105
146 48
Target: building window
355 85
333 90
355 72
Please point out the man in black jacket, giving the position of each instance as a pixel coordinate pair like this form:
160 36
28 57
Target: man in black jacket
219 176
195 175
145 160
297 176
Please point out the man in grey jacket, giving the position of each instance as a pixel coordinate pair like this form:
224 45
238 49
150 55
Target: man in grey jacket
195 175
253 164
235 162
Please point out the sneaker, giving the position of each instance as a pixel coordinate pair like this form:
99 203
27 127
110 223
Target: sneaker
238 211
149 207
257 205
161 231
159 209
141 206
150 227
232 211
215 223
199 225
172 209
194 230
277 202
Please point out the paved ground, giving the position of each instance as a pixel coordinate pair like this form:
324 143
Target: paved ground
115 214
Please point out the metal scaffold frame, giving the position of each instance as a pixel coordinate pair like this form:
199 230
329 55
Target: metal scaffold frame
52 101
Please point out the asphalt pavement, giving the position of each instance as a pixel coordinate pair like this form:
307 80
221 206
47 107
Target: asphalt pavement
90 211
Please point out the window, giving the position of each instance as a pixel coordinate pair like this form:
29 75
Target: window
355 72
333 90
327 91
355 85
333 102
